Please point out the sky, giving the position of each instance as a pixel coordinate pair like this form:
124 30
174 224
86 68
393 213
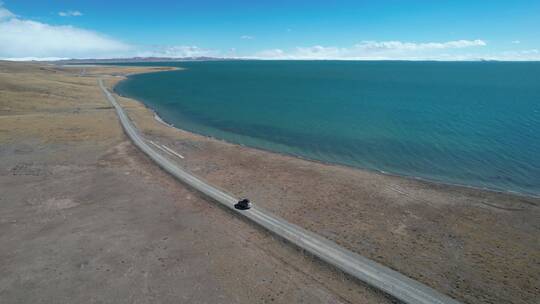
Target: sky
345 30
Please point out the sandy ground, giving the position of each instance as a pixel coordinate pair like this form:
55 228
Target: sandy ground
86 218
474 245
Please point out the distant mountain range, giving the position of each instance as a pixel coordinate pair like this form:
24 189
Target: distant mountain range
139 59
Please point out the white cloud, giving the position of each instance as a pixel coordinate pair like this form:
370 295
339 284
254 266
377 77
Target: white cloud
516 42
319 51
70 14
5 13
411 46
271 54
177 52
247 37
375 50
20 38
530 54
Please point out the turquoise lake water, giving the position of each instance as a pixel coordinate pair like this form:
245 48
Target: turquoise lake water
469 123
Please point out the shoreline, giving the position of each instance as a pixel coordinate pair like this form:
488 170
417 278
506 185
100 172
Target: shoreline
475 246
378 276
458 234
374 171
103 222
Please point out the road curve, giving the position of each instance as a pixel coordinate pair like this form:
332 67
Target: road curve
380 277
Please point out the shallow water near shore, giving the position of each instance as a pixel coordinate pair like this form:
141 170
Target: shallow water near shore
469 123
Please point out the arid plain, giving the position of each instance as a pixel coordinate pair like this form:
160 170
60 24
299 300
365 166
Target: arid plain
86 216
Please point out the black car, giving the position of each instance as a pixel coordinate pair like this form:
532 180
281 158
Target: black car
243 204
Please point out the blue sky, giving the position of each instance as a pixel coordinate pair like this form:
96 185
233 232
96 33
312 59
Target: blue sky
443 30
